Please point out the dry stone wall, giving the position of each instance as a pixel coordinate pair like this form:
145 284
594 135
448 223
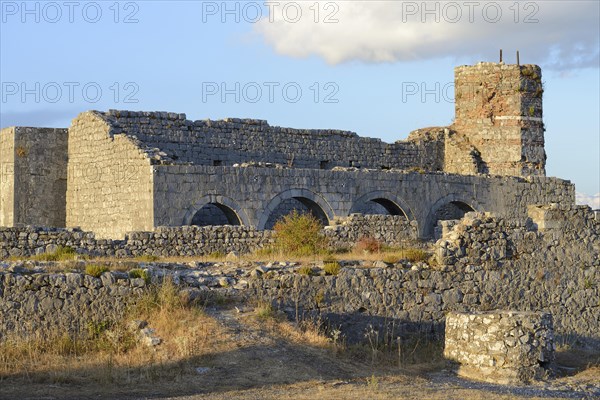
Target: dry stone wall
194 240
63 302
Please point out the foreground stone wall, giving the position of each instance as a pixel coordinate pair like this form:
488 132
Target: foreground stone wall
59 303
33 164
487 263
500 346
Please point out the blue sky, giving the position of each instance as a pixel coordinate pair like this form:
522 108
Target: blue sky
344 65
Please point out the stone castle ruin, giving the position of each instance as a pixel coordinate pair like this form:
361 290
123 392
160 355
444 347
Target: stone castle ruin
121 171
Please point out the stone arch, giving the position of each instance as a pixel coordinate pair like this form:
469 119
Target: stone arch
313 202
233 214
453 205
391 203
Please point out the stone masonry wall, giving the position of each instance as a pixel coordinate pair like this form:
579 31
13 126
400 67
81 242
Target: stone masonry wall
34 166
254 193
110 181
234 140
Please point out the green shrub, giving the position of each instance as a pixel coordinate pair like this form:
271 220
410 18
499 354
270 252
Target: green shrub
140 273
368 245
305 270
95 270
264 310
331 267
299 235
391 259
413 255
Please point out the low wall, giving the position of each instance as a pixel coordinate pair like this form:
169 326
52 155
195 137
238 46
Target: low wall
195 240
66 302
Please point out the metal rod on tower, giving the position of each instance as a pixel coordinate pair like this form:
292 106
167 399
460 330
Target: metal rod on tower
500 55
518 61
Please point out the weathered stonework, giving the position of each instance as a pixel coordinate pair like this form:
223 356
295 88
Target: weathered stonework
500 346
498 125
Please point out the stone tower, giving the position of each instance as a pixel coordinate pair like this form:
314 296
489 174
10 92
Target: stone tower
498 126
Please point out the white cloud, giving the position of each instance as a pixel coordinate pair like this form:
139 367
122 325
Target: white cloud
566 34
592 201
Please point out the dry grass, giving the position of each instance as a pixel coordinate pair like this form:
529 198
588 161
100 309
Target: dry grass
111 352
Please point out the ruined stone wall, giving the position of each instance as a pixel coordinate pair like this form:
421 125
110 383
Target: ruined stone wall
499 113
34 167
487 263
110 186
234 140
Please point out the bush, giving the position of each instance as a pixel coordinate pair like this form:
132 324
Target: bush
299 235
368 245
391 259
331 266
265 310
305 270
413 255
140 273
95 270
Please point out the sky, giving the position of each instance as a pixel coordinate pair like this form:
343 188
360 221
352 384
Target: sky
378 68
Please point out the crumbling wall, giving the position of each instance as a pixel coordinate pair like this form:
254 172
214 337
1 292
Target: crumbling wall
231 141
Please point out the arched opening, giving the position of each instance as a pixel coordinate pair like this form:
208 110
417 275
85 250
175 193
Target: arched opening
300 204
450 211
215 214
379 206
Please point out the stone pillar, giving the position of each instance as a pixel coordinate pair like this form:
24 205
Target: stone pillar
500 346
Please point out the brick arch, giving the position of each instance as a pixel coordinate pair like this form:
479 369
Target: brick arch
221 201
387 200
426 229
298 194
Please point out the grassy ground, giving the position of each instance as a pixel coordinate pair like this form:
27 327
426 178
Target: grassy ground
228 352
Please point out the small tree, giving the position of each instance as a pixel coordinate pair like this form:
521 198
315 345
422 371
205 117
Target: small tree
299 234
